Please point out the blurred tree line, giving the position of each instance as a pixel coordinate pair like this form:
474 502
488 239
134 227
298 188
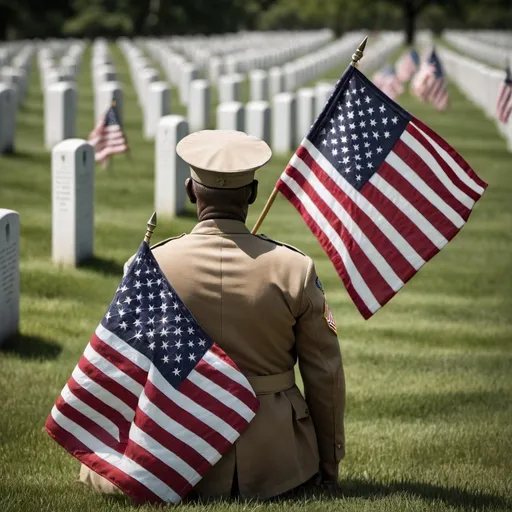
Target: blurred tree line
113 18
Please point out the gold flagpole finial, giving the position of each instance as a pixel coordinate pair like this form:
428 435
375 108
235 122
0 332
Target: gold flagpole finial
358 54
151 225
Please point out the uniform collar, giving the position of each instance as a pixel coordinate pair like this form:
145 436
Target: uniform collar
220 227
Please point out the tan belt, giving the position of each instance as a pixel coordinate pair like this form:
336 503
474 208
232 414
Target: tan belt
265 384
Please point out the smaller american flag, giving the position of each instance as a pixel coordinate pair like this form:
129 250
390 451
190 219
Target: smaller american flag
153 402
429 84
108 138
504 106
387 81
407 65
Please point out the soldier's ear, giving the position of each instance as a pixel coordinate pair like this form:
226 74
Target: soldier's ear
254 192
189 188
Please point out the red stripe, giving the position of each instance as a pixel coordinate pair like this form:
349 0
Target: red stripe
441 142
412 130
108 383
159 469
419 166
505 93
212 404
419 201
403 224
172 443
381 242
189 421
109 412
377 284
333 254
129 485
231 386
215 349
87 424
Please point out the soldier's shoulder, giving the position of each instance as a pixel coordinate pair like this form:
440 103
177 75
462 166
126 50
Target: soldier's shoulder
167 240
281 244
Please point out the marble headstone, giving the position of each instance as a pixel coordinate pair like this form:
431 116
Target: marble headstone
105 93
7 118
257 120
305 111
230 116
157 106
283 122
59 113
199 106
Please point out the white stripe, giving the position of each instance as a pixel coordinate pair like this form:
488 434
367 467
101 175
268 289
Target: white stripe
123 348
162 453
120 462
351 225
214 360
357 280
102 394
112 371
367 207
457 169
408 174
427 157
213 389
178 430
213 421
91 413
409 210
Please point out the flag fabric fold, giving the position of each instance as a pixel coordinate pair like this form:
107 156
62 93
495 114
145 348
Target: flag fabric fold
153 402
381 191
504 104
387 81
108 137
407 65
429 83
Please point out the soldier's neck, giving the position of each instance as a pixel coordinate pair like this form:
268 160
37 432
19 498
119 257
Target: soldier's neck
211 214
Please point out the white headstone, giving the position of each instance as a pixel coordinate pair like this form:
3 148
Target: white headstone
105 93
305 111
199 106
7 118
72 202
214 69
230 116
283 122
275 81
259 85
170 170
189 73
257 120
157 106
230 88
322 93
9 273
59 113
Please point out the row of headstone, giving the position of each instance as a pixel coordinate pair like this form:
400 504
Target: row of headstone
479 82
494 37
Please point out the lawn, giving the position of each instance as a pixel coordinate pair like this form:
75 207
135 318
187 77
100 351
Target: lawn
429 378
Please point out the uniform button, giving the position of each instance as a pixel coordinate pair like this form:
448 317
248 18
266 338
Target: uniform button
221 181
339 446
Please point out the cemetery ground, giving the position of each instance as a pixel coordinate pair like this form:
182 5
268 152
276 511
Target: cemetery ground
429 409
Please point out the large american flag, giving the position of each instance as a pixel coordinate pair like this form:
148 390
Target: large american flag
387 81
381 191
153 403
504 105
407 65
108 138
429 83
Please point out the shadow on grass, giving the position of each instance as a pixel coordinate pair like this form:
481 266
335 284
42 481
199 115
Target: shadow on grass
31 347
103 266
25 156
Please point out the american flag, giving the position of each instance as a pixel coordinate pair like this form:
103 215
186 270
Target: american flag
504 105
108 138
387 81
407 65
153 402
429 84
381 191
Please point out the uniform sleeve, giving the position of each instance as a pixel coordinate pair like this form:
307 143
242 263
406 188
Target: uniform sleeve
321 368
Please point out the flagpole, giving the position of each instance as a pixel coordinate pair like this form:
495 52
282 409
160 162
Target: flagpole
356 57
150 227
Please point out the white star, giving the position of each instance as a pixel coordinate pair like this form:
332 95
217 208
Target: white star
123 326
165 344
347 170
165 359
394 120
108 316
138 284
334 152
159 282
333 130
358 102
362 124
344 140
162 295
137 272
384 120
370 110
350 115
367 144
356 147
358 177
373 122
365 135
137 323
354 90
367 99
379 150
164 307
121 312
331 121
354 136
387 135
361 113
357 157
382 108
128 300
137 259
346 159
124 288
334 141
352 126
348 103
190 330
118 303
369 165
375 135
147 271
178 331
178 318
178 358
190 344
324 142
342 128
138 309
368 154
164 320
341 117
151 308
176 372
178 344
202 342
339 107
164 332
139 297
362 90
344 149
152 345
151 296
151 333
358 167
138 335
175 306
192 357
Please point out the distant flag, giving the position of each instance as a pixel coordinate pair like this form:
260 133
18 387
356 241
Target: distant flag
380 190
429 83
504 105
153 403
387 81
108 138
407 65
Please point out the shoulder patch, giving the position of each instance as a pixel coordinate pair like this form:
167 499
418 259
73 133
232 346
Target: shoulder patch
282 244
329 318
163 242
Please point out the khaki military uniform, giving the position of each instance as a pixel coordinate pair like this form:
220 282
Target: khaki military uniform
263 304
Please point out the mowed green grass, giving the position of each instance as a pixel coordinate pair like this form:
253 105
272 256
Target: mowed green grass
429 378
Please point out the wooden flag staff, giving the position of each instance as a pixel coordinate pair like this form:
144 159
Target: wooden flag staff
356 57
